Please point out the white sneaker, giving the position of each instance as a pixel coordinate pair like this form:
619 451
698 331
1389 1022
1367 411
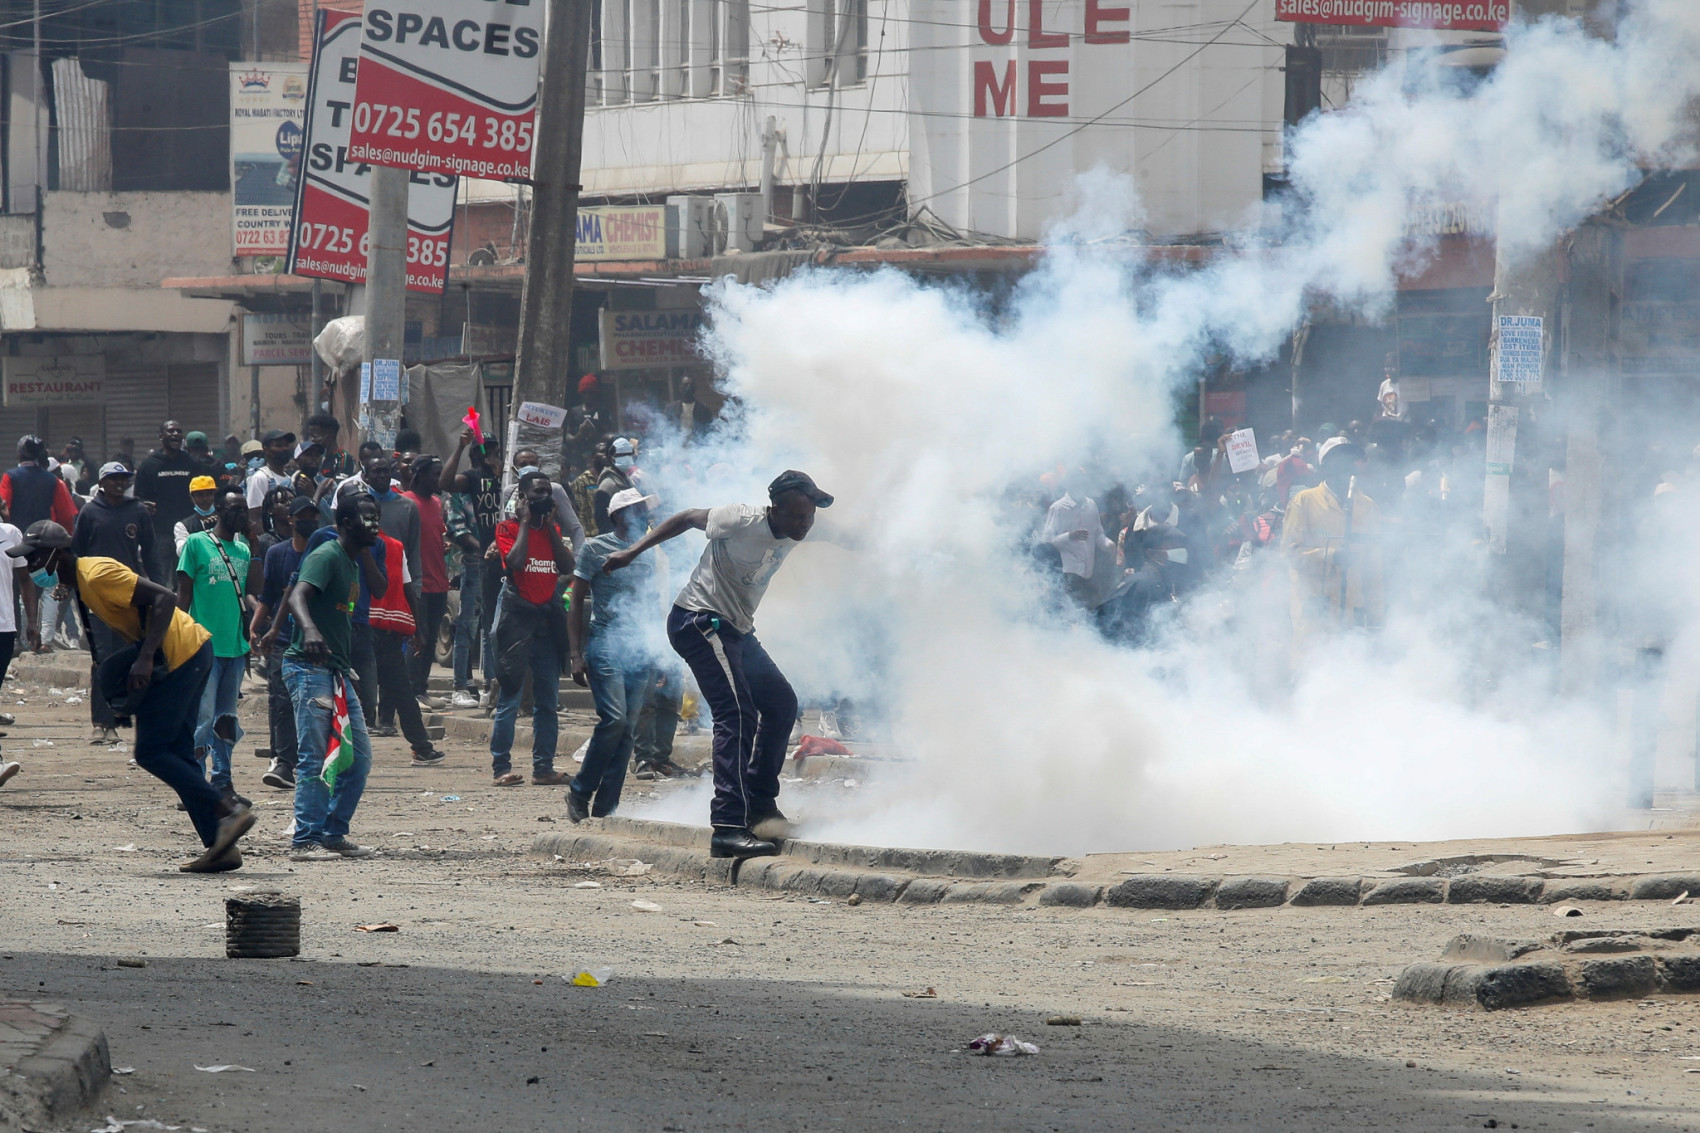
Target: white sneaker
432 703
829 725
8 769
313 852
345 848
463 698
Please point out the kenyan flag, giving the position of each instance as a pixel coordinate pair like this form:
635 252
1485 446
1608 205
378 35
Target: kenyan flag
339 745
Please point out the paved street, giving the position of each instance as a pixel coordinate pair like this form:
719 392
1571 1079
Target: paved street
732 1008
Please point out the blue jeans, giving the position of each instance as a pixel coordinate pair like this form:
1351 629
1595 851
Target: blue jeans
618 684
545 723
165 740
218 707
466 623
320 813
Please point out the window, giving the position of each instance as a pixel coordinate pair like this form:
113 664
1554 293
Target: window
643 50
838 42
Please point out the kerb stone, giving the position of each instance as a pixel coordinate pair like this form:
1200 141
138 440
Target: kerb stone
1071 895
1408 891
1160 891
1619 976
1251 893
1329 891
1497 890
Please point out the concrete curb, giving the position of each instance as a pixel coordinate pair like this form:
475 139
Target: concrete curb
926 877
59 1063
1493 974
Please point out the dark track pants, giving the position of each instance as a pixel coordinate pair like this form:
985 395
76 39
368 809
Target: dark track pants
753 708
165 740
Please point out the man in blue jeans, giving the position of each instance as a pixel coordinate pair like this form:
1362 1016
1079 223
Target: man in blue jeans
617 662
712 627
529 635
316 667
212 579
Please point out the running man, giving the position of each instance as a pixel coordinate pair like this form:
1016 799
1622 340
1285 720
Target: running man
712 627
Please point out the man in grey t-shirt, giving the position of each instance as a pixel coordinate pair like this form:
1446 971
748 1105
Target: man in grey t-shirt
712 627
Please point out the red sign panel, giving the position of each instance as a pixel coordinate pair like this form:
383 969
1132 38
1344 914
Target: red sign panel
329 239
1449 15
448 86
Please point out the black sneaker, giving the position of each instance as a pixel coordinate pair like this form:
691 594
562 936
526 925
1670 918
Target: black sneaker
283 778
429 757
736 842
383 732
577 809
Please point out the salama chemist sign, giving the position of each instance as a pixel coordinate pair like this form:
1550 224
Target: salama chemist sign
1451 15
331 206
449 86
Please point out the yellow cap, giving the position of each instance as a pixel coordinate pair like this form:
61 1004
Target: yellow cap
202 484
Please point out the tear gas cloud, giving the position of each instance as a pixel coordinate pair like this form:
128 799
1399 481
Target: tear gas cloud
920 406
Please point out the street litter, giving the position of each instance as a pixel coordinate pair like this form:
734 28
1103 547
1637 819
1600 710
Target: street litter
632 868
589 977
703 924
489 837
1063 1021
73 700
588 885
130 962
1323 980
451 798
123 1069
930 993
42 743
1567 911
580 751
1681 898
646 906
1003 1046
130 849
221 1069
377 928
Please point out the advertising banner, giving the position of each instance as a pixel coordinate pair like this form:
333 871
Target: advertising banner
276 339
1518 358
329 239
70 379
447 86
268 103
640 340
622 233
1450 15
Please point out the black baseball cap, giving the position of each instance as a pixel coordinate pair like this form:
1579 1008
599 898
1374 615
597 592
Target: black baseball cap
794 481
43 535
271 435
303 503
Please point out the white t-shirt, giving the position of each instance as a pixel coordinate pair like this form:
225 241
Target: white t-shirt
9 537
263 480
736 566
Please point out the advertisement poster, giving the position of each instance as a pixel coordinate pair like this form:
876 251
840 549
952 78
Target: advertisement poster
447 86
331 211
268 104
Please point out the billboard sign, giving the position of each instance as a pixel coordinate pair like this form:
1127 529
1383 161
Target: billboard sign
636 232
1449 15
268 103
641 340
329 239
449 87
68 379
277 339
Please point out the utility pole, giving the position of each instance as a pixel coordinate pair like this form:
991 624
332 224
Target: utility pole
543 370
386 303
1525 308
1590 379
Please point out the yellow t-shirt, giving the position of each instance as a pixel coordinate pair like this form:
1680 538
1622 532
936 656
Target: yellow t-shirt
106 587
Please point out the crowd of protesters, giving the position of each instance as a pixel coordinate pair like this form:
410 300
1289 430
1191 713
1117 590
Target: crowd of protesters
327 574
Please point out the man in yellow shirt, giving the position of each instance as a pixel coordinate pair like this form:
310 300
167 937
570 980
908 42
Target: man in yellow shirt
164 705
1330 539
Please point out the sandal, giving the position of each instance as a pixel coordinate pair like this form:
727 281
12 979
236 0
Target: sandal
508 780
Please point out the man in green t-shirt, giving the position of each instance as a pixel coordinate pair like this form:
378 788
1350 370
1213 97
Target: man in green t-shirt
316 668
212 579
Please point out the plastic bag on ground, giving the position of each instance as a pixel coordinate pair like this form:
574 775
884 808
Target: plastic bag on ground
1003 1046
590 977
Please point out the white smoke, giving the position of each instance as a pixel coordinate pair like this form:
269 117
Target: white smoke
920 408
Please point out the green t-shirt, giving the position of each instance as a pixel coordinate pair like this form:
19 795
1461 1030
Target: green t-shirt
214 602
336 577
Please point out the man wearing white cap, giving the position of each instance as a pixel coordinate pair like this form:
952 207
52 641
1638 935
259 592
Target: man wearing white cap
616 661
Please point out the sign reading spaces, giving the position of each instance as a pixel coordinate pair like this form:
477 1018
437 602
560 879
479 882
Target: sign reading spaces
622 233
1518 358
1452 15
271 339
71 379
332 215
449 86
268 103
639 340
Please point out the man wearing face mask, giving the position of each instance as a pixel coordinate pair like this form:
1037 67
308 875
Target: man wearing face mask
163 481
270 625
203 492
1329 537
616 477
164 683
112 525
212 579
526 460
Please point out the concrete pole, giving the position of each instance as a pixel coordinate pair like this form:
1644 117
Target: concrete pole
386 294
543 368
1590 380
769 151
1527 288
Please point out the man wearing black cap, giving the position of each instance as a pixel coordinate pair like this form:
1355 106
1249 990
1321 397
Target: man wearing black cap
279 449
163 686
112 525
712 627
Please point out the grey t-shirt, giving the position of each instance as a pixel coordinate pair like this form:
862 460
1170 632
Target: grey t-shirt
612 596
736 566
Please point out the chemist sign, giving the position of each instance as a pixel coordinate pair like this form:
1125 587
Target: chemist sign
69 379
1518 357
641 340
448 86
